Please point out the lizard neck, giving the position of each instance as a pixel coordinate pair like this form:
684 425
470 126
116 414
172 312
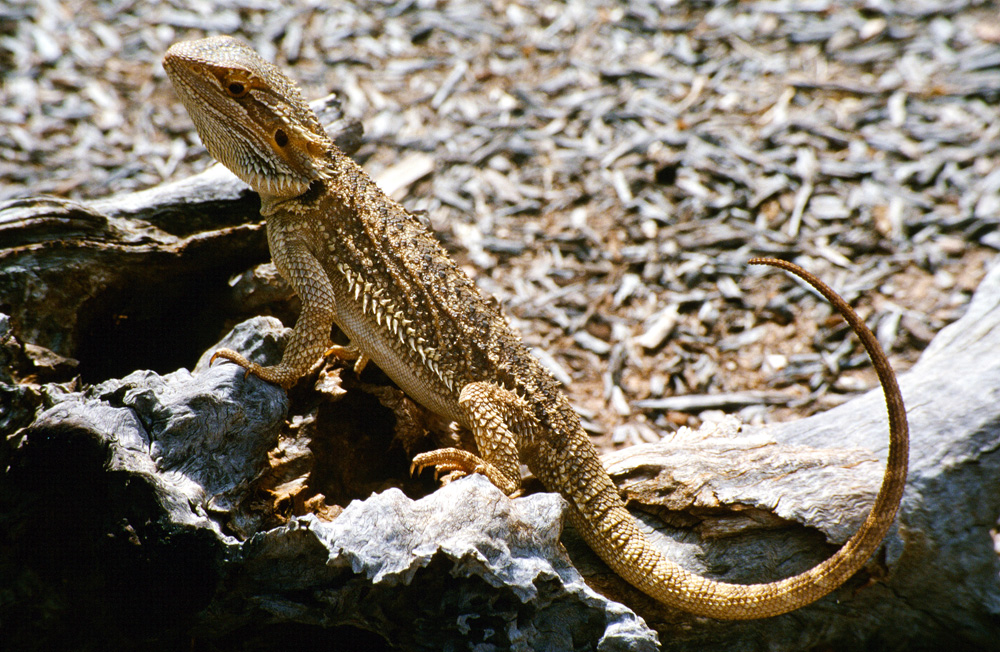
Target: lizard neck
296 205
328 171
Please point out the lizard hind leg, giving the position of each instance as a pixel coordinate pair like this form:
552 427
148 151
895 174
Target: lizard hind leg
490 412
455 463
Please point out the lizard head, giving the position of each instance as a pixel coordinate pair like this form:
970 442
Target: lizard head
249 115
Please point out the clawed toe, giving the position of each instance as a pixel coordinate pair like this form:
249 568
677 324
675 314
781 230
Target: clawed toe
450 469
282 375
456 463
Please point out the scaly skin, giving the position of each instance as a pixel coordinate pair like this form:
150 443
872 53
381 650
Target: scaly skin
358 260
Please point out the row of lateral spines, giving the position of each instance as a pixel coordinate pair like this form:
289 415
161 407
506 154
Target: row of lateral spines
374 303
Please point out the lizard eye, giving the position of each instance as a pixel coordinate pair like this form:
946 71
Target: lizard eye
237 89
280 138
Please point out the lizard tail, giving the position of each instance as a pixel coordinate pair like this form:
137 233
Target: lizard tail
630 555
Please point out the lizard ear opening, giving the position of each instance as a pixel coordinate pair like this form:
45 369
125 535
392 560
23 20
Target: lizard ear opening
280 138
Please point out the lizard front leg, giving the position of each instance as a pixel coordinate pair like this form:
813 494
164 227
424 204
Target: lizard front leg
311 336
497 417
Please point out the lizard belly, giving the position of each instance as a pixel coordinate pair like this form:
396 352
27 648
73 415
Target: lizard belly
397 360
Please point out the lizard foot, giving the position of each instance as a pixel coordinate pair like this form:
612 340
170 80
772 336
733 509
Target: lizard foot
275 374
454 461
348 353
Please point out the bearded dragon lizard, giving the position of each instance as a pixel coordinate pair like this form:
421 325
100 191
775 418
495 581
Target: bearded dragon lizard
357 259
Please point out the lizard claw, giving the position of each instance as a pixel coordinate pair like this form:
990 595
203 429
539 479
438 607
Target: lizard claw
449 477
236 358
452 470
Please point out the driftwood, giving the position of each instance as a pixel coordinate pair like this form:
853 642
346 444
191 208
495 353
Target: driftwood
193 504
